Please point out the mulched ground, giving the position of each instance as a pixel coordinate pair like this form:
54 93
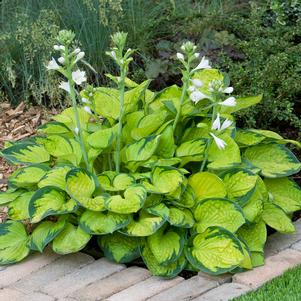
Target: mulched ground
15 124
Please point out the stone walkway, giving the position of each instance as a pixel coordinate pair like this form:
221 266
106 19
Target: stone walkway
78 277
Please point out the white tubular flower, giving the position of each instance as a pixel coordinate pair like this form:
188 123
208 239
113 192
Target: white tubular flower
65 86
216 125
197 83
220 143
196 96
85 100
204 64
76 51
229 102
87 109
79 56
56 47
191 88
52 65
61 60
79 76
228 90
196 55
76 130
180 56
113 54
62 47
226 124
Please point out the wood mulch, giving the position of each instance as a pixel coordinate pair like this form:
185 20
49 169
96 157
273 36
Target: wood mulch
15 124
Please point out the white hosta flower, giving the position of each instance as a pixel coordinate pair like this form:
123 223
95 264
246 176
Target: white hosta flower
90 94
76 51
180 56
56 47
113 54
76 130
226 124
61 60
228 90
229 102
220 143
197 54
79 56
65 86
204 64
79 76
87 109
62 47
197 83
191 88
85 100
216 125
196 96
52 65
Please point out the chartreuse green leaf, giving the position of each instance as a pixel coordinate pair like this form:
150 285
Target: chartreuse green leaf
13 242
49 201
246 263
218 212
285 193
254 206
133 200
166 244
180 217
55 177
113 181
207 76
119 247
143 224
257 259
103 222
207 185
215 251
67 117
157 269
276 218
45 232
28 176
9 196
159 210
242 103
25 153
165 179
192 150
274 160
240 184
131 122
166 147
53 128
187 198
253 235
248 137
224 158
18 208
70 240
102 138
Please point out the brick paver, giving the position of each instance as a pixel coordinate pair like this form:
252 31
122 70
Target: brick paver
8 294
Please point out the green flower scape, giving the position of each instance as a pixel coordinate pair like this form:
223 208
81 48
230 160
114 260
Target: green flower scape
165 176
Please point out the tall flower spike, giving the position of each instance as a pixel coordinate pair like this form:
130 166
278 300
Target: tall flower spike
52 65
204 64
229 102
79 76
180 56
220 143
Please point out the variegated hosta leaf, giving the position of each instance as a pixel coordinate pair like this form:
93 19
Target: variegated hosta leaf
113 181
55 177
102 138
28 176
53 128
240 184
103 222
246 263
274 160
141 150
187 199
49 201
257 259
13 242
167 145
248 138
133 200
144 224
180 217
45 232
95 204
285 193
9 195
157 269
276 218
207 185
215 251
18 208
191 151
224 158
218 212
119 247
25 153
242 103
79 184
165 179
159 210
70 240
166 244
254 236
254 206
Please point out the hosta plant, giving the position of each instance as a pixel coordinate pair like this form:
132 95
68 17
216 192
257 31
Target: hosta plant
163 176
